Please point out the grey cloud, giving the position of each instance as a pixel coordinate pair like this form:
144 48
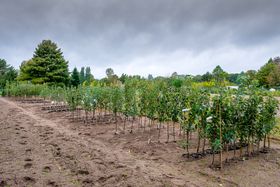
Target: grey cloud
116 31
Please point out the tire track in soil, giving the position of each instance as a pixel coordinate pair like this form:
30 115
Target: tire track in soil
21 155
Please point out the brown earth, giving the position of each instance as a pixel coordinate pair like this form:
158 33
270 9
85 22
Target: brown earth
38 148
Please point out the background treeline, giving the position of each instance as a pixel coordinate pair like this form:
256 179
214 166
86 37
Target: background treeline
48 66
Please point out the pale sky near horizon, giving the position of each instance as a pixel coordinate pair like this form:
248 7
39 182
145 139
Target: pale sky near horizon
144 37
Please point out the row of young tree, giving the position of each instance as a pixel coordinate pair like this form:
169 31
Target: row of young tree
225 120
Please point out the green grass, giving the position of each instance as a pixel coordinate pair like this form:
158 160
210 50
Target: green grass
276 93
276 130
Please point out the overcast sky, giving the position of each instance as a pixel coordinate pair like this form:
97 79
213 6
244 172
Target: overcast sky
144 37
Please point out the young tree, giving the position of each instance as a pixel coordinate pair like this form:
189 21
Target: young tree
47 65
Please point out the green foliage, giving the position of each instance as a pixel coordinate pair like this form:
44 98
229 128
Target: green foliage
269 74
274 76
23 89
117 100
75 78
206 77
219 75
276 131
245 116
82 75
7 73
130 100
47 65
109 72
88 76
85 76
73 98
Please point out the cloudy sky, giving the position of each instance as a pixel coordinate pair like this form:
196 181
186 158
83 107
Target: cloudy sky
144 36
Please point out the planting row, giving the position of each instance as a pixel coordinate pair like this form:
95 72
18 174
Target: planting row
227 120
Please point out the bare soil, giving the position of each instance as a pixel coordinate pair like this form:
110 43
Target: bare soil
39 148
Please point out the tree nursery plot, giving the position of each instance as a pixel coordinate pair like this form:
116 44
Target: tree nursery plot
142 134
131 93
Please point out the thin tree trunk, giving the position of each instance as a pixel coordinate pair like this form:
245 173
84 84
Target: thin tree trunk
93 115
264 141
221 149
131 130
116 123
198 141
203 147
234 151
213 157
167 129
124 124
150 126
159 131
180 132
252 146
73 115
145 123
248 147
86 116
174 139
139 121
227 152
188 137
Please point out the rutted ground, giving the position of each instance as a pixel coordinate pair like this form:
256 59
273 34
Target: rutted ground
45 149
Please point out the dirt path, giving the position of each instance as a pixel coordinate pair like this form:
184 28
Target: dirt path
38 144
38 150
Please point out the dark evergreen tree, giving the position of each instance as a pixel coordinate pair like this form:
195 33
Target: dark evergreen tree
150 77
7 73
88 76
206 77
47 65
82 75
123 78
233 77
75 78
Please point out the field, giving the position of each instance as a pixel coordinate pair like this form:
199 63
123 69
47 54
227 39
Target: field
46 148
